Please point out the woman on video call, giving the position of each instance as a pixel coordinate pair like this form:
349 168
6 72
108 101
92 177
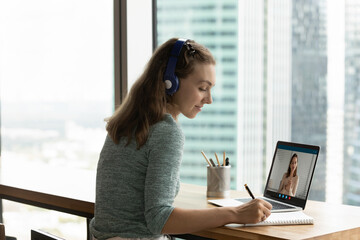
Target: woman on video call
138 173
290 179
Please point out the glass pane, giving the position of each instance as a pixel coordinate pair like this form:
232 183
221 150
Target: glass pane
21 218
57 79
213 24
280 76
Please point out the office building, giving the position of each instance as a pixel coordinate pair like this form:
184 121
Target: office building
351 182
309 92
264 92
213 24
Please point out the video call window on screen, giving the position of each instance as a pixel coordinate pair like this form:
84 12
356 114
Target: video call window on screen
285 184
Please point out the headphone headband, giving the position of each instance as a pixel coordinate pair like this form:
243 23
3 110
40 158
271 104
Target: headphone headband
170 79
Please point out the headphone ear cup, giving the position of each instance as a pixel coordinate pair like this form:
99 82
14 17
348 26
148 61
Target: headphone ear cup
171 85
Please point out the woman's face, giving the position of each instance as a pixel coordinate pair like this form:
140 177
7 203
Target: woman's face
194 91
293 163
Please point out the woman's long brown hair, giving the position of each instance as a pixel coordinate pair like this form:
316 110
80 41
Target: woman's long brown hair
289 169
146 102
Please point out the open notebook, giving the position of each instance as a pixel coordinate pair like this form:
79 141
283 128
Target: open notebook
281 218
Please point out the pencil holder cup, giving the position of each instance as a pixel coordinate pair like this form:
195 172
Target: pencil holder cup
218 181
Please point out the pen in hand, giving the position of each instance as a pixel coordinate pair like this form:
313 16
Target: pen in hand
248 190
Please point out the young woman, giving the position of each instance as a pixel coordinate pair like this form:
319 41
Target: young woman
138 170
290 179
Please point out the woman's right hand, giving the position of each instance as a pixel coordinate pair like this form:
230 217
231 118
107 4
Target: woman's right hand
255 211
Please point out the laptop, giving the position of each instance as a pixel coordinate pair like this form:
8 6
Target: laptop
283 196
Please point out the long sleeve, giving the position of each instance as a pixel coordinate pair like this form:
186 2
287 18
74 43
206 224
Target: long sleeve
135 188
162 177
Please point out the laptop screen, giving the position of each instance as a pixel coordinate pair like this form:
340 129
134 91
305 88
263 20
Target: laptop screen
291 173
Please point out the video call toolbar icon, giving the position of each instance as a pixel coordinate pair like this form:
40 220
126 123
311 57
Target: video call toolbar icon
284 196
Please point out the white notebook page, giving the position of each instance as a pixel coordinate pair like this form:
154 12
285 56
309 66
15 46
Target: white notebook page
281 218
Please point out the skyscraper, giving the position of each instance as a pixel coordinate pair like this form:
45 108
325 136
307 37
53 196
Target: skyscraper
352 104
213 24
309 82
264 92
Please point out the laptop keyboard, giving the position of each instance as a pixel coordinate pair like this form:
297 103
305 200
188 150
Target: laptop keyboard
275 205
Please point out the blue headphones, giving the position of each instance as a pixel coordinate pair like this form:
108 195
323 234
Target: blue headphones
170 79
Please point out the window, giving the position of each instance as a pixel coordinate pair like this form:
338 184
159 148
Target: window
280 76
57 82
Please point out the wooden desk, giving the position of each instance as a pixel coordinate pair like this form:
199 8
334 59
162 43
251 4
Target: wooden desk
331 221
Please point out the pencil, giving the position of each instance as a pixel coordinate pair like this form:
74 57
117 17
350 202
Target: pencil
217 159
202 152
223 158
